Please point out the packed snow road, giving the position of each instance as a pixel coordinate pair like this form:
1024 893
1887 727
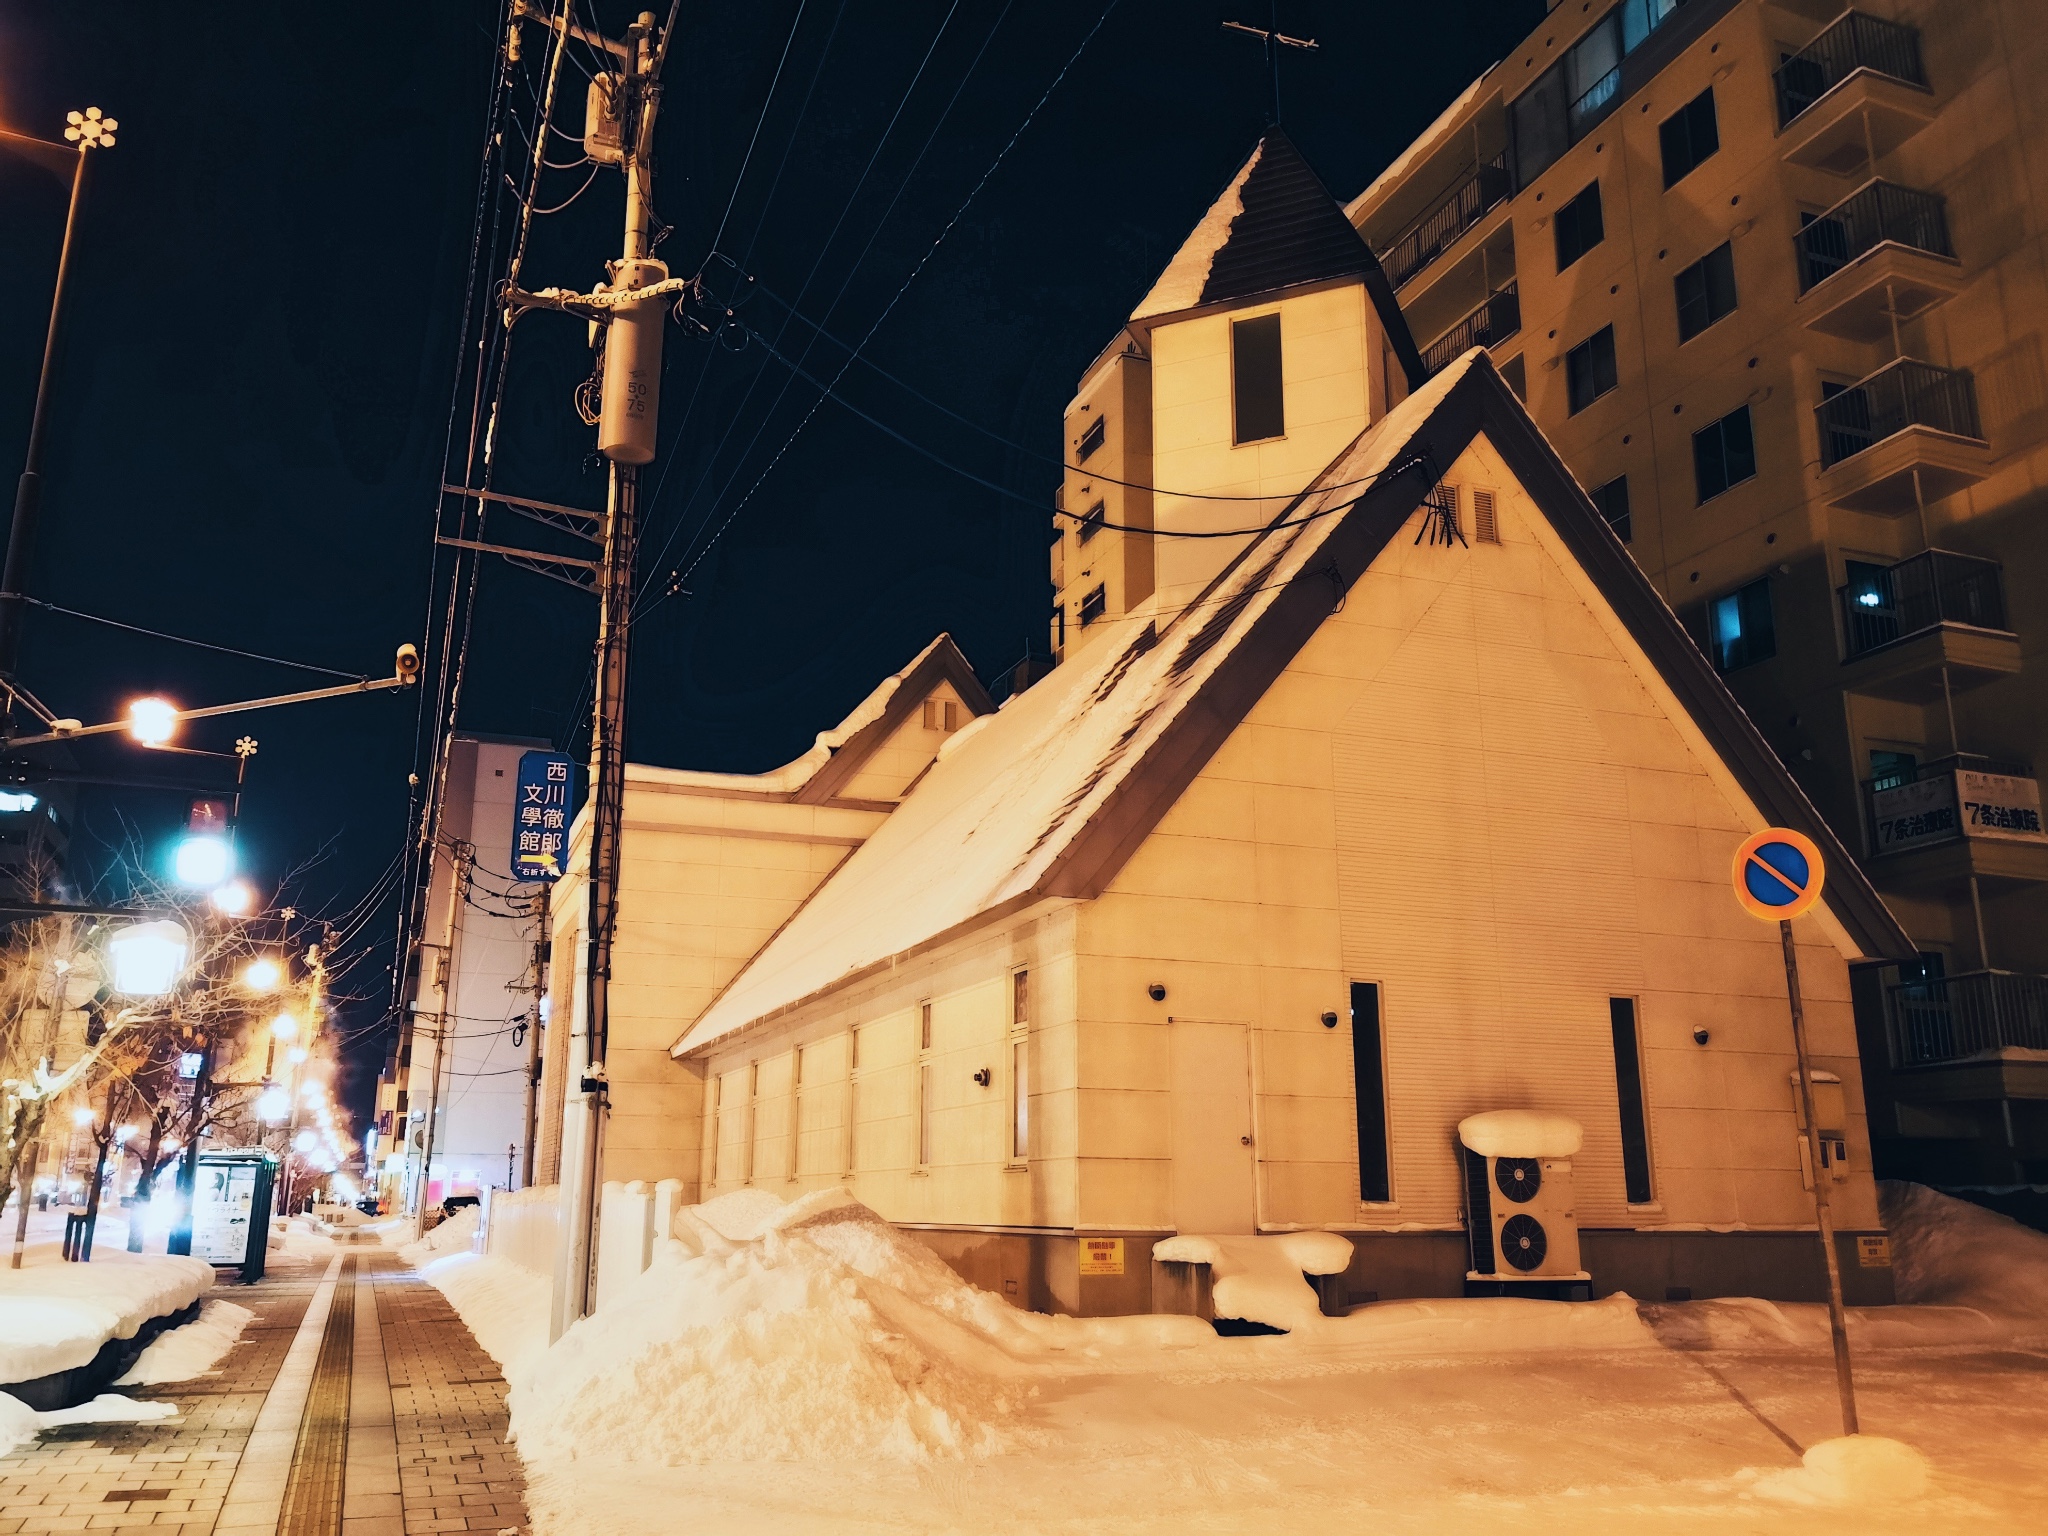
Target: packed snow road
807 1368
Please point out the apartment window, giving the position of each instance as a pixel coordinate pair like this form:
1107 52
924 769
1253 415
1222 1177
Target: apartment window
1628 1082
1688 136
1723 454
1612 501
1589 369
1706 291
1579 227
1020 1066
1091 521
1890 770
1093 606
1369 1078
1259 409
1578 91
1091 439
1740 628
1485 521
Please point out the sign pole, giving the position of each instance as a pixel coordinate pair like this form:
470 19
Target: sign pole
1838 1326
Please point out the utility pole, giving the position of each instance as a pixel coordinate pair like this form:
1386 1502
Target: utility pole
87 130
458 893
620 131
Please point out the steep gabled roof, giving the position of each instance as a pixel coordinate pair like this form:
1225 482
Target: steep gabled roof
1275 226
1052 794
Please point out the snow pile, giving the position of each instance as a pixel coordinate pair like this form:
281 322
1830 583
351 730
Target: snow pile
1854 1469
1260 1279
192 1350
20 1424
813 1331
1490 1325
1949 1252
455 1235
55 1316
1521 1133
504 1304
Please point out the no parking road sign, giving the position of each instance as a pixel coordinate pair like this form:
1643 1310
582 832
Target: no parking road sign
1778 874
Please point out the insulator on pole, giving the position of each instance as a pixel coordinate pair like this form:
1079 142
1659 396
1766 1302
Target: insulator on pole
632 369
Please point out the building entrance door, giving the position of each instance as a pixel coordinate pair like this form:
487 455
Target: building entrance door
1214 1161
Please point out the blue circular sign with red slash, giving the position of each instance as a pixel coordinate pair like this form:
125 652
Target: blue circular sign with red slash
1778 874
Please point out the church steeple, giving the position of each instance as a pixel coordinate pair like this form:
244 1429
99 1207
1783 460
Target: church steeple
1275 226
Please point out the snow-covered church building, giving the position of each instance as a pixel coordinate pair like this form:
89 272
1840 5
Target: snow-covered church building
1375 789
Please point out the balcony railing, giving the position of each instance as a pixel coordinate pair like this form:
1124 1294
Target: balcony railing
1449 217
1937 587
1899 395
1490 324
1878 212
1952 1018
1855 41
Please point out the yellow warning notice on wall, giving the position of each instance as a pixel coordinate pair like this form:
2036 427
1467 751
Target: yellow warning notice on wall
1102 1255
1874 1252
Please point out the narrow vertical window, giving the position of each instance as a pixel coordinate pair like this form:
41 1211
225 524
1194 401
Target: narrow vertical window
924 1026
796 1108
1369 1074
1020 1066
753 1126
852 1097
1628 1082
924 1114
1255 379
717 1102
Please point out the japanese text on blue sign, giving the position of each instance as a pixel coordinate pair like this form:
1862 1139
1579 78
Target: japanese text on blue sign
540 816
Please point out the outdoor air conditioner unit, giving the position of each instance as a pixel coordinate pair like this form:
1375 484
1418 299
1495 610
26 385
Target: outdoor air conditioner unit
1521 1222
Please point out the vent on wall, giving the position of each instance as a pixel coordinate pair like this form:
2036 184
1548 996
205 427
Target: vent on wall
1484 525
941 715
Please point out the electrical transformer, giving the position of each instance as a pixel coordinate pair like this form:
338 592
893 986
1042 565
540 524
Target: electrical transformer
632 367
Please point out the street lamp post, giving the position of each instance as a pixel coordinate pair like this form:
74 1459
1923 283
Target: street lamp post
87 130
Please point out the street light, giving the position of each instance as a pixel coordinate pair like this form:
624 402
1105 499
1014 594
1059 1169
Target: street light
284 1026
146 959
273 1105
203 860
234 898
81 1116
262 974
153 721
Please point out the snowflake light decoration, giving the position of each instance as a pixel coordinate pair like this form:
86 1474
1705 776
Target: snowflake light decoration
90 129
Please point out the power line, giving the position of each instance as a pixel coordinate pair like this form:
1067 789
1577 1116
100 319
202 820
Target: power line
767 102
204 645
678 577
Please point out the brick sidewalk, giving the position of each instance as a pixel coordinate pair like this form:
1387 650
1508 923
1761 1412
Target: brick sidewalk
425 1443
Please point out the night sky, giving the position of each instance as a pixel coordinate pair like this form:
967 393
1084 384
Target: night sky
253 400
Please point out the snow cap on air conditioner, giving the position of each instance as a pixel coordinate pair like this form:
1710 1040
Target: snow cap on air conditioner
1521 1133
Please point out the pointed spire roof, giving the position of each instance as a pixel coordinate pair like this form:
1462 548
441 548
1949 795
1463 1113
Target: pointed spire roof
1274 226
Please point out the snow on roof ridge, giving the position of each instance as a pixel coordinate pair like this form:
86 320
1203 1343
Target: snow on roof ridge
1180 285
1421 144
798 771
993 816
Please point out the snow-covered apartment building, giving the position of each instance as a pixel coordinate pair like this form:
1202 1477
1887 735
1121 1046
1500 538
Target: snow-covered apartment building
1395 797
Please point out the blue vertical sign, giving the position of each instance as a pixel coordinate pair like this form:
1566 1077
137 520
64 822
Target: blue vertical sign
540 816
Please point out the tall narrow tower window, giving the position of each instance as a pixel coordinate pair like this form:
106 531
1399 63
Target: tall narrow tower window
1255 379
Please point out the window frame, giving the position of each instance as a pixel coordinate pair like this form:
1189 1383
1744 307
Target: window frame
1094 605
1380 1192
1688 120
1638 1079
1018 1037
1252 329
1591 349
1704 300
1719 427
1576 213
1601 495
1725 655
1093 436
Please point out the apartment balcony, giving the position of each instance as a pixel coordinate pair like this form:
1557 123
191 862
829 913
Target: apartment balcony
1879 255
1907 624
1941 824
1492 323
1985 1033
1906 435
1857 91
1446 219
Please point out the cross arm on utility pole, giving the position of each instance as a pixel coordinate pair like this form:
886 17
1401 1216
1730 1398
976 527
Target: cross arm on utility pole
407 675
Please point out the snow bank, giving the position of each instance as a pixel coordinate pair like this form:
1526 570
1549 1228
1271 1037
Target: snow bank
1488 1325
20 1424
55 1316
1853 1469
193 1350
813 1331
505 1305
455 1235
1948 1251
